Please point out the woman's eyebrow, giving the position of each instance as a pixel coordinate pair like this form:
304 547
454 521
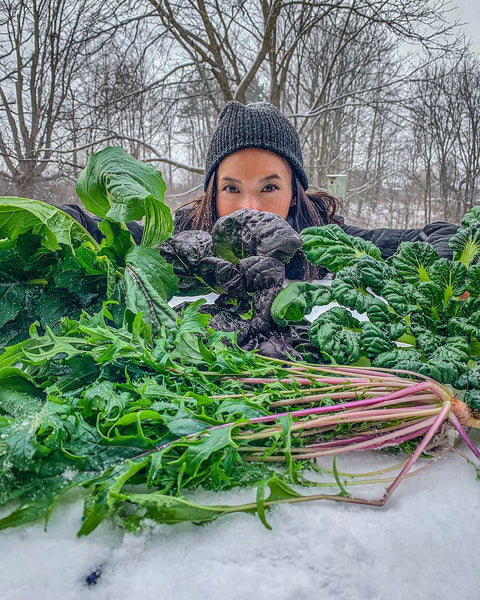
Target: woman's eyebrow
233 180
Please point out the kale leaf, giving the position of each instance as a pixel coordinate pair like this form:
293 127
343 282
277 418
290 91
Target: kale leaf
248 232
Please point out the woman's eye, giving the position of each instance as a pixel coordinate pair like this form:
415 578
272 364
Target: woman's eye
230 188
270 187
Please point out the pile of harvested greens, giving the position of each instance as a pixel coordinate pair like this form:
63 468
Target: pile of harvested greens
138 421
105 387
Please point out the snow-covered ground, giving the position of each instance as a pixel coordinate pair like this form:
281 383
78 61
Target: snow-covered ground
424 544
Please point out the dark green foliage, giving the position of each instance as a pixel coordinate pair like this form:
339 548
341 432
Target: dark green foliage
149 420
336 333
407 359
349 289
374 340
374 272
449 276
121 188
400 296
472 399
431 305
331 247
466 242
41 285
413 261
472 283
51 267
298 300
248 232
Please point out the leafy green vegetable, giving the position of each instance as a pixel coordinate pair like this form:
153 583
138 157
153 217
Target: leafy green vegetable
54 227
247 232
149 284
150 422
337 335
297 300
348 288
116 186
51 267
331 247
374 340
413 260
430 305
466 242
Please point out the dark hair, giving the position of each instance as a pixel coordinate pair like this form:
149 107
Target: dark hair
305 210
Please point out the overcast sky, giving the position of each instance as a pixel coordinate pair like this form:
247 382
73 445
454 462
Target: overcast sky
468 12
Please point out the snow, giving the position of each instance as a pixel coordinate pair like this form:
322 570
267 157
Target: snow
424 543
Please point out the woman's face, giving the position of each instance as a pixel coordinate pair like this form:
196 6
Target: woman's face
254 178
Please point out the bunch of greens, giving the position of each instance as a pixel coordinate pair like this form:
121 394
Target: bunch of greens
138 422
51 267
423 311
243 261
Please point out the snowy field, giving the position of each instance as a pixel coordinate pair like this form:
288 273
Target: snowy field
424 544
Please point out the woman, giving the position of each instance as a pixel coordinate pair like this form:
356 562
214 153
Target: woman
255 161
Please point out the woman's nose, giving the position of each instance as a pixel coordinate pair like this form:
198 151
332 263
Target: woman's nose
249 201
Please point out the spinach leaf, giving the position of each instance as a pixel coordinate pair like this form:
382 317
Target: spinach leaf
53 226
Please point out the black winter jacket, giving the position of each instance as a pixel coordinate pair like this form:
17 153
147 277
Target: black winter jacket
387 240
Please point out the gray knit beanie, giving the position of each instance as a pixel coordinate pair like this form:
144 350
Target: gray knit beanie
256 125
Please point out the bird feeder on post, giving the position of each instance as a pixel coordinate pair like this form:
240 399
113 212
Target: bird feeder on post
337 186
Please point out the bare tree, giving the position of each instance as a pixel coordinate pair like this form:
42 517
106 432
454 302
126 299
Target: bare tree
45 46
469 134
446 127
42 44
